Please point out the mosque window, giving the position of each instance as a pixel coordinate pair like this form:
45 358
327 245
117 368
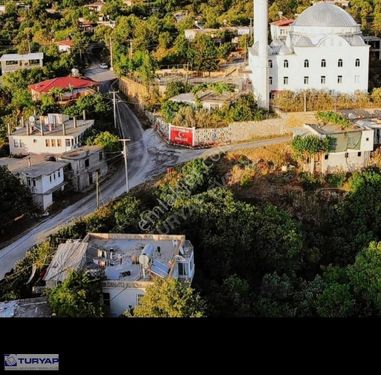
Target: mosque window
357 62
340 63
339 79
306 79
323 63
285 80
322 80
270 63
285 63
306 64
270 80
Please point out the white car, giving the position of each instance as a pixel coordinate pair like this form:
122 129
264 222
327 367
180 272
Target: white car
103 66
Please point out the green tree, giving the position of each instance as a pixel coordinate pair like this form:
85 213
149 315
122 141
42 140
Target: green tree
169 298
80 295
108 141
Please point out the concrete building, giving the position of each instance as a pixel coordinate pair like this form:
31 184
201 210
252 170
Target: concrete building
351 148
323 50
53 134
13 62
43 180
128 264
208 100
85 164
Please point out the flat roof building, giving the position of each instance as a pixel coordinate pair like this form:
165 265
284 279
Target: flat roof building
13 62
128 263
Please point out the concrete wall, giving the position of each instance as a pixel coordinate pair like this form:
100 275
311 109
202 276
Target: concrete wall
339 162
135 91
121 298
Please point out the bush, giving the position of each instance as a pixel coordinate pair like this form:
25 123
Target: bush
330 117
310 145
336 180
309 181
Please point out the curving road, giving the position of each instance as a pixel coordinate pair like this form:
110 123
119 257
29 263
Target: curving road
148 156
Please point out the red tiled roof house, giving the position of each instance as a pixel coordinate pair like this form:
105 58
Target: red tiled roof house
71 88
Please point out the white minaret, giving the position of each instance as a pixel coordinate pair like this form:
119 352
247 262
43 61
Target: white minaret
261 23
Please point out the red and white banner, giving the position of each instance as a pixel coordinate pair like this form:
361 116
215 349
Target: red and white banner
181 136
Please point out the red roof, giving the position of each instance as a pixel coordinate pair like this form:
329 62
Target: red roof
62 83
66 42
284 22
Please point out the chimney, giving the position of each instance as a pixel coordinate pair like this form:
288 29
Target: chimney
74 121
84 114
63 128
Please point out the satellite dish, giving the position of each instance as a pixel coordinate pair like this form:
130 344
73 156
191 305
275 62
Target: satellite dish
32 119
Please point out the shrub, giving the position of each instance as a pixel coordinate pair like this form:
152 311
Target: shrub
336 180
309 181
330 117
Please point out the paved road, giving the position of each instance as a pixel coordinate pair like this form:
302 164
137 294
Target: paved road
148 156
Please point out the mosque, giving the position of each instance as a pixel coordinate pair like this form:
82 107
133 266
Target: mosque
323 49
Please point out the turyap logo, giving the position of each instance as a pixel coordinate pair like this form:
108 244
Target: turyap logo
10 360
31 362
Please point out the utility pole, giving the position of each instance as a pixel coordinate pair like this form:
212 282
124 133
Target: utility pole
114 105
125 159
97 187
305 100
111 56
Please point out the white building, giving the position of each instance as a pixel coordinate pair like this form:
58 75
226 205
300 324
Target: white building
13 62
43 180
324 50
128 262
52 134
351 148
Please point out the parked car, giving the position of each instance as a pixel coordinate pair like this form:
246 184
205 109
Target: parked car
103 66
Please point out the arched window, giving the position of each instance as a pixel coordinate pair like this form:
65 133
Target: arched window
270 63
285 63
306 64
357 62
340 63
323 63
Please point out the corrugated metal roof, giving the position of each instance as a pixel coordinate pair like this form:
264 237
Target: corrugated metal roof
69 256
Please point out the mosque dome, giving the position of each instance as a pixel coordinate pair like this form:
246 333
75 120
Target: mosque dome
325 15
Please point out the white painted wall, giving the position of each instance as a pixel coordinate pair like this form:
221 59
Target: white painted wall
121 298
36 144
339 162
296 70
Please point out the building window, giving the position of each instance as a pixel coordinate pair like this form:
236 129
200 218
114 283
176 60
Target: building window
67 142
53 142
306 64
285 63
285 80
34 182
58 143
138 298
340 63
357 62
106 299
34 140
87 163
183 269
359 154
101 155
29 180
346 154
50 178
16 143
367 139
339 79
322 80
47 142
323 63
59 174
306 79
270 80
270 63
